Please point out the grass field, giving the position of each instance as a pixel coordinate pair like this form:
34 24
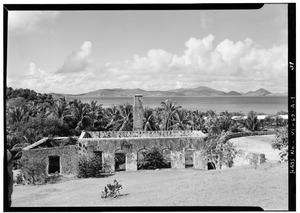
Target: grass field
266 186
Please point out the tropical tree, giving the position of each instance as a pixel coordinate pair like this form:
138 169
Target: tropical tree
211 113
111 115
219 151
149 119
86 123
96 114
121 117
16 114
169 109
251 122
211 126
198 120
60 108
281 143
214 124
126 114
79 109
225 121
181 120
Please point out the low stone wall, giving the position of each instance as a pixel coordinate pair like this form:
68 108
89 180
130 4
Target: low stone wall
131 147
248 158
144 134
68 157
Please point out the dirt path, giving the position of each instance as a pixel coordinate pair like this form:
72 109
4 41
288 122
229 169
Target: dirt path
260 144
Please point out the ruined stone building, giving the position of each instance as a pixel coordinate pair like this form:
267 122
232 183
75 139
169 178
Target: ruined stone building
180 148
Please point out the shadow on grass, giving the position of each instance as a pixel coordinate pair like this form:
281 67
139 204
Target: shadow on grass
121 195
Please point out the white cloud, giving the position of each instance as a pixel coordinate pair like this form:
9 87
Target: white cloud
79 60
197 49
28 21
231 51
229 65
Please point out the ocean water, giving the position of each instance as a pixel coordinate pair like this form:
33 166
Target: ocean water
265 104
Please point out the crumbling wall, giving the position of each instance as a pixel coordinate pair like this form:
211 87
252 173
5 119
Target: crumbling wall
144 134
131 146
248 158
68 157
200 161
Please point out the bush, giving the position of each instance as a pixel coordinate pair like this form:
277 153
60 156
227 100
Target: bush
281 143
90 167
154 160
33 171
220 151
55 178
112 190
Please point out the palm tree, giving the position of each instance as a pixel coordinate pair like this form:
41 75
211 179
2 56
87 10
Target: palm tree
251 123
60 108
198 120
149 119
180 120
126 113
79 109
96 112
111 115
225 122
121 117
43 108
16 114
169 109
212 126
211 113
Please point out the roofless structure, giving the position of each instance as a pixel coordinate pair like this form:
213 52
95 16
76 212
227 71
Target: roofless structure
180 148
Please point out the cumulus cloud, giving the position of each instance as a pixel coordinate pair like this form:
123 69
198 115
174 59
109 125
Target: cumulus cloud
28 21
79 60
229 65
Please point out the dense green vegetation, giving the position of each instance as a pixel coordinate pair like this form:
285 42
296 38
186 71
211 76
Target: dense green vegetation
281 143
153 160
31 116
89 167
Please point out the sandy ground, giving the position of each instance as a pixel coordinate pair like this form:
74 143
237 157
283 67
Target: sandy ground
266 186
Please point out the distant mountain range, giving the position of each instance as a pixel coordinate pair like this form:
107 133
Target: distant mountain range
259 92
194 92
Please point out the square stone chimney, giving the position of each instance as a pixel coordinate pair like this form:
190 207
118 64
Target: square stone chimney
138 112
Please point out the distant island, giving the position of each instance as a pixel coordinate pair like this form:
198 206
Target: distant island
182 92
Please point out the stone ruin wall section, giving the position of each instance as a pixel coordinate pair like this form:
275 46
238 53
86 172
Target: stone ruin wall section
131 146
68 157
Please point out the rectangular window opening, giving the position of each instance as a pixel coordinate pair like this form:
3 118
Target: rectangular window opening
54 164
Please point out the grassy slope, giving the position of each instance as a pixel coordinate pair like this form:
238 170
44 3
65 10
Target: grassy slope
266 186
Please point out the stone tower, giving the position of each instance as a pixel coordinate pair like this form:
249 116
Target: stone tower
138 112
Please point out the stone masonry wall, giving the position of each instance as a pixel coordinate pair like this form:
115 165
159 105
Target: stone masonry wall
145 134
68 157
131 146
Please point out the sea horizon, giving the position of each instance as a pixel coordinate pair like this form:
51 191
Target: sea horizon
244 104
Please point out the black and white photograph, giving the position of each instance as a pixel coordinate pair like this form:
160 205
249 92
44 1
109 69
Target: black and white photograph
162 106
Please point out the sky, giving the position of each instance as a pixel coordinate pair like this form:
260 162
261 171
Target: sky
81 51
